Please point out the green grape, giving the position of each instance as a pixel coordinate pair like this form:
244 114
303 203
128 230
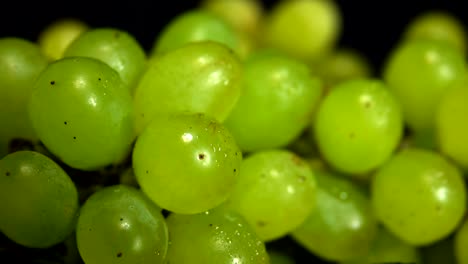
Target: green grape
119 224
461 242
419 73
278 99
343 226
451 126
21 62
419 196
437 25
386 248
305 29
277 257
216 236
116 47
342 65
358 126
186 163
82 113
275 192
39 200
58 35
245 16
441 251
201 77
195 25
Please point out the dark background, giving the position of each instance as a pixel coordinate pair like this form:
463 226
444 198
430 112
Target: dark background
371 27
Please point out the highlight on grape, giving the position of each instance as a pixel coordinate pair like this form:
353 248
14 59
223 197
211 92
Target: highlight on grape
244 135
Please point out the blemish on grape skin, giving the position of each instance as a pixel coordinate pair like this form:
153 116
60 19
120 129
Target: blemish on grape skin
121 219
119 254
117 35
210 225
301 178
74 137
201 156
261 223
65 123
147 172
235 170
351 135
52 82
99 79
7 173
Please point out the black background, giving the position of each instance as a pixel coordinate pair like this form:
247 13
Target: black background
371 27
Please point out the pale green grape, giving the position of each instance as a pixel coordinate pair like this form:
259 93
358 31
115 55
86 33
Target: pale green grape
419 196
343 226
451 126
342 65
358 126
305 29
275 192
39 200
201 77
21 62
119 224
419 73
461 242
279 96
437 25
118 48
216 236
58 35
195 26
386 248
186 163
82 112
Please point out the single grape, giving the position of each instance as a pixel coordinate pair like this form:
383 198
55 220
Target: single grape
419 196
358 126
186 163
305 29
386 248
437 25
58 35
279 96
275 192
419 73
119 224
195 25
343 225
39 201
116 47
199 77
451 126
215 236
21 62
82 113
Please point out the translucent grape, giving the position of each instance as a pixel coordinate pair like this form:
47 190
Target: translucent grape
275 192
186 163
451 125
21 62
39 200
343 225
386 248
82 113
279 96
419 196
216 236
199 78
419 73
358 126
58 35
305 29
195 25
119 224
437 25
116 47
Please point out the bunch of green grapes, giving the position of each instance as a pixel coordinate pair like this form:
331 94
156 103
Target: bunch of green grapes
242 135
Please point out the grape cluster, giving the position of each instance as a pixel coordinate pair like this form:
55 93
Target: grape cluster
243 136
